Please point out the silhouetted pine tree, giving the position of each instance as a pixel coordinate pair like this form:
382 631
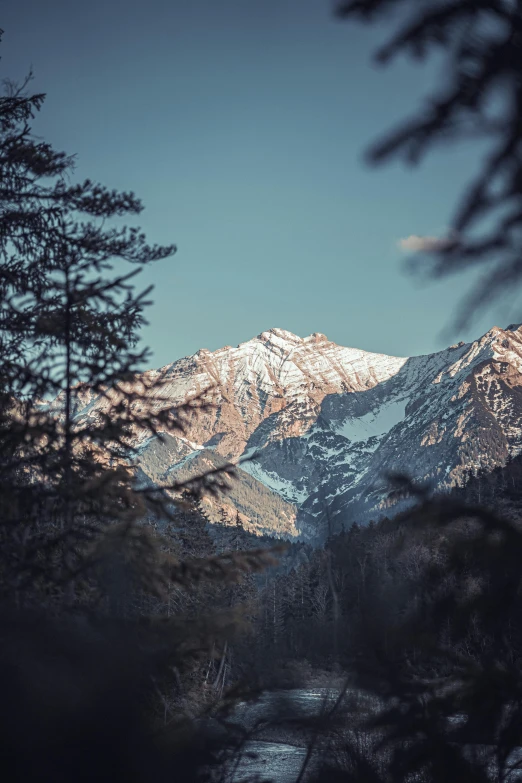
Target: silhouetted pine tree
479 96
69 332
73 535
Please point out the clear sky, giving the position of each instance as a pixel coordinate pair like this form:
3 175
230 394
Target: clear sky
241 125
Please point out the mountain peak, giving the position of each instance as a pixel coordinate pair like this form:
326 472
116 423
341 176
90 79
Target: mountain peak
276 334
325 420
283 334
317 337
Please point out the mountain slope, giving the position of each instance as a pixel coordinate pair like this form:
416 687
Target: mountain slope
326 423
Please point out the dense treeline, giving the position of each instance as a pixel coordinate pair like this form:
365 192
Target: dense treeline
324 609
320 605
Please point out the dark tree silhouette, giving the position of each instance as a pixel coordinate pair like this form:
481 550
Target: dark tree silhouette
68 327
480 96
69 331
81 564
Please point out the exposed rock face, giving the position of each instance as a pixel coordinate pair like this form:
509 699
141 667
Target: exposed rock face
327 423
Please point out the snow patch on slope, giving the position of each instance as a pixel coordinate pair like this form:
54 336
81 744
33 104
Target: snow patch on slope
274 482
375 423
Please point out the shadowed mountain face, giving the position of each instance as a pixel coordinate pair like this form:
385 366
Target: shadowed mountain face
326 423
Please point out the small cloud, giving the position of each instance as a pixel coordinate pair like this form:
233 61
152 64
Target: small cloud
418 244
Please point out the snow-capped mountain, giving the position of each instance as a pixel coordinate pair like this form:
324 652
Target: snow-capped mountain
325 424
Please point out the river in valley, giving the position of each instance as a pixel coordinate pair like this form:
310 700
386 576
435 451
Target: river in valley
277 743
277 748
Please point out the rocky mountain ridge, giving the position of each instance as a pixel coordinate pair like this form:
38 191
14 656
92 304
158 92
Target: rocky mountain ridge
324 424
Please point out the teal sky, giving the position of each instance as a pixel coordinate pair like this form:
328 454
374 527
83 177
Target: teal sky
241 125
